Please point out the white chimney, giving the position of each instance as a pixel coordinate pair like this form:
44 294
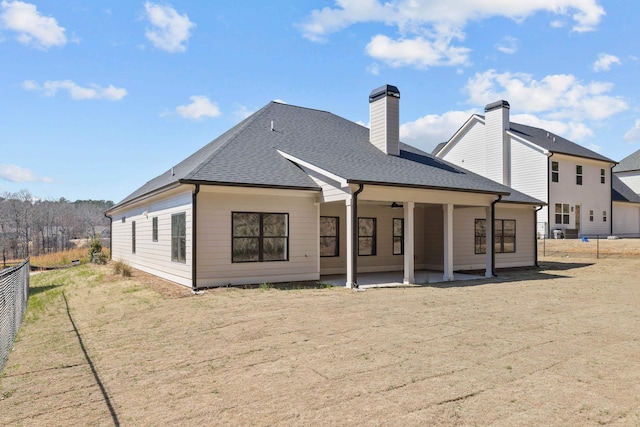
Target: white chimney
497 142
384 114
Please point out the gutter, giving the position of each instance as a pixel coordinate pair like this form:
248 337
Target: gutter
493 236
548 230
354 236
535 235
194 238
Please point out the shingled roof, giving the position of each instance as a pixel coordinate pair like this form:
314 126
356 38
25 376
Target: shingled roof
247 155
629 163
554 143
620 192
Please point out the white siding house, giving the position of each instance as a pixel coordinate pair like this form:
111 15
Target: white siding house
291 194
575 182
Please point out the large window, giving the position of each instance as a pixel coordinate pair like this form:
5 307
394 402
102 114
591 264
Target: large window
398 236
578 174
259 237
133 237
505 240
179 237
562 213
329 233
154 229
366 236
554 171
505 236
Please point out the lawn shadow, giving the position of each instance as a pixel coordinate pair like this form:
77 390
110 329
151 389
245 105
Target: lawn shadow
516 274
41 289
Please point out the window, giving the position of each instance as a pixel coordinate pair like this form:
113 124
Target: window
562 213
366 236
398 236
154 229
554 171
591 215
481 236
179 237
604 216
329 242
578 174
602 176
133 237
259 237
505 236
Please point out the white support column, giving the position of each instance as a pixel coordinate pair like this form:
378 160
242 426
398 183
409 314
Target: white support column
350 243
409 250
489 242
448 242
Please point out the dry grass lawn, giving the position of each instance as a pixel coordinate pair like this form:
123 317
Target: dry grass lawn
559 346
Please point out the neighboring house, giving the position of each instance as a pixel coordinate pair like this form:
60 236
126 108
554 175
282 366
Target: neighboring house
292 193
628 170
575 182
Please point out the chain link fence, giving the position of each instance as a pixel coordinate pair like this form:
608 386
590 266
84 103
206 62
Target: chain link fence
621 245
14 292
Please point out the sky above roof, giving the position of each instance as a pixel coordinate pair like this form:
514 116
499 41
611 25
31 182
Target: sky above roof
97 98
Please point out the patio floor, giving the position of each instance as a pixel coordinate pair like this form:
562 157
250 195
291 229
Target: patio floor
394 279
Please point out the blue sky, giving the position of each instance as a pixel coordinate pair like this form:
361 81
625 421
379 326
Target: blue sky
96 98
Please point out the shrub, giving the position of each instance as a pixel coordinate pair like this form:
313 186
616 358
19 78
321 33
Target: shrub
95 247
121 267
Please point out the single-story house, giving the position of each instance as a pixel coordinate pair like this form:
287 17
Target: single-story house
293 193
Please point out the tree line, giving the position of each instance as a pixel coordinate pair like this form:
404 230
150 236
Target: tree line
31 226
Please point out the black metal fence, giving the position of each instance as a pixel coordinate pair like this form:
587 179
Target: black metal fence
621 245
14 292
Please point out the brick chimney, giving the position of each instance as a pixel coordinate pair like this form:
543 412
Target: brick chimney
384 115
498 143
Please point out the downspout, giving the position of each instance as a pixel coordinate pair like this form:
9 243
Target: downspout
354 237
110 236
611 199
194 239
548 227
493 236
535 234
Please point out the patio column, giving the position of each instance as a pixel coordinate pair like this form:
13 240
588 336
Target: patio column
489 243
351 265
409 250
448 242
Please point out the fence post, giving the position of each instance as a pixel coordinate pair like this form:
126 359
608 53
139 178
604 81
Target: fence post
597 246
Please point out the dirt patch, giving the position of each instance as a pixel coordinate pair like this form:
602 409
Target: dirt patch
554 346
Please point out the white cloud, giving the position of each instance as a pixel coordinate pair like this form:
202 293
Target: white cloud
605 61
434 24
13 173
509 45
418 52
242 112
200 107
170 30
633 134
559 96
51 87
33 29
428 131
